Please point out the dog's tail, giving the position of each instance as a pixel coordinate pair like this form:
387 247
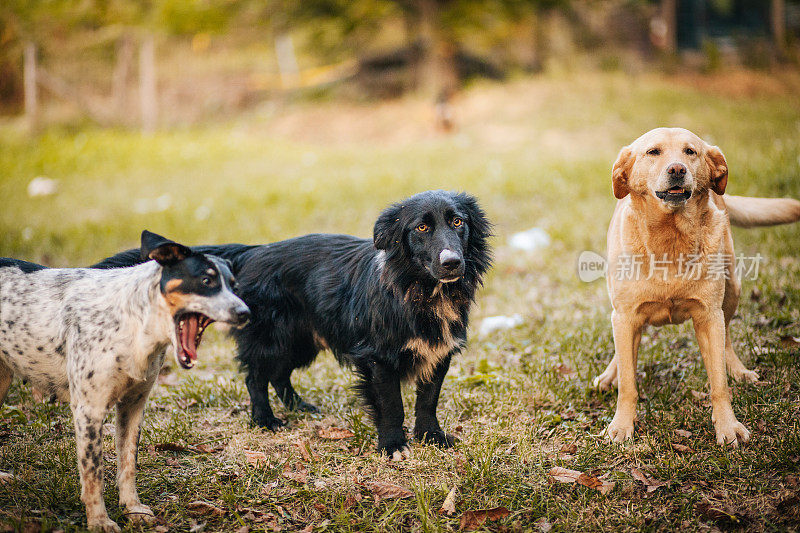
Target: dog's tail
749 212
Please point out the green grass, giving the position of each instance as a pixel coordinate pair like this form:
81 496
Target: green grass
536 154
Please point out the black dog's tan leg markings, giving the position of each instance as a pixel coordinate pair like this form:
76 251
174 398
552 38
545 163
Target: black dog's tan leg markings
130 411
426 426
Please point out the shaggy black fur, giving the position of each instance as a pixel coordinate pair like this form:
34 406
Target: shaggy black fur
25 266
394 308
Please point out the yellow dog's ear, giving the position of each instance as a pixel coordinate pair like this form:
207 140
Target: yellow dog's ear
620 172
717 168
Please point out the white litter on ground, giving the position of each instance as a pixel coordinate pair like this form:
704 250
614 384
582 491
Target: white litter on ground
41 186
494 323
530 240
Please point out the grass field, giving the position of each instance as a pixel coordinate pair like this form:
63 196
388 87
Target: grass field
537 153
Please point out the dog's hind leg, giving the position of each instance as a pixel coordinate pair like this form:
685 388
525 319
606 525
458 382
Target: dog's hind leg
426 426
301 354
129 421
256 360
735 367
5 380
88 420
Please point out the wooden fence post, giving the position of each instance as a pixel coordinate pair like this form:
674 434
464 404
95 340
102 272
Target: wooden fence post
30 86
778 23
122 74
147 83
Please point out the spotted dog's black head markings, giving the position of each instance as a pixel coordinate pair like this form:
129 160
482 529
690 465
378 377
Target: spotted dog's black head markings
199 289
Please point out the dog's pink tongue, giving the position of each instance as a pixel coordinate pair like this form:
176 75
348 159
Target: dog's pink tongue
188 336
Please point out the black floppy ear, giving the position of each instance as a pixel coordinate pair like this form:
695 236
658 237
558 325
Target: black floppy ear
388 231
478 253
162 250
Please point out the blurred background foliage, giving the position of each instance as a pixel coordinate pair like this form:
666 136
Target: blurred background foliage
217 57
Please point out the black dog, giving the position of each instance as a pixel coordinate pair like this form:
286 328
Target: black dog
395 308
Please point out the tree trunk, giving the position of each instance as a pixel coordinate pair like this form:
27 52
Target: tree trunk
669 12
147 83
30 86
287 61
778 22
121 79
437 66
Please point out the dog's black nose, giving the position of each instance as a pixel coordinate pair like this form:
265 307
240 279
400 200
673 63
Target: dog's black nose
450 260
242 315
676 170
452 264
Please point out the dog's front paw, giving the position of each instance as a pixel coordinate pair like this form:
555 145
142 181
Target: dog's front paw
605 381
306 407
746 376
619 430
140 514
395 450
104 525
269 422
731 432
436 437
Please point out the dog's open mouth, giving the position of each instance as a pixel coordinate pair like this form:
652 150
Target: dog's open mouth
189 328
674 195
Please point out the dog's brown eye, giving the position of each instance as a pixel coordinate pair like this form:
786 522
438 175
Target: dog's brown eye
689 151
654 151
457 222
422 228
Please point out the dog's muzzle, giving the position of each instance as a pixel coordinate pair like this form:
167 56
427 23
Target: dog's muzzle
451 266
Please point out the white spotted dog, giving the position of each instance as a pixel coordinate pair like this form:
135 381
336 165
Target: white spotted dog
98 338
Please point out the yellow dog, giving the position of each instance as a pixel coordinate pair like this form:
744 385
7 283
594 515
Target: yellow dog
671 258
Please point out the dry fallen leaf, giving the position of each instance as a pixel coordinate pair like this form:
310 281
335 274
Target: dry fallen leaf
681 448
565 475
475 519
652 484
5 477
351 500
449 505
719 513
184 403
683 433
307 451
300 476
787 341
385 491
335 433
207 448
171 447
255 458
571 448
544 525
200 508
564 371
